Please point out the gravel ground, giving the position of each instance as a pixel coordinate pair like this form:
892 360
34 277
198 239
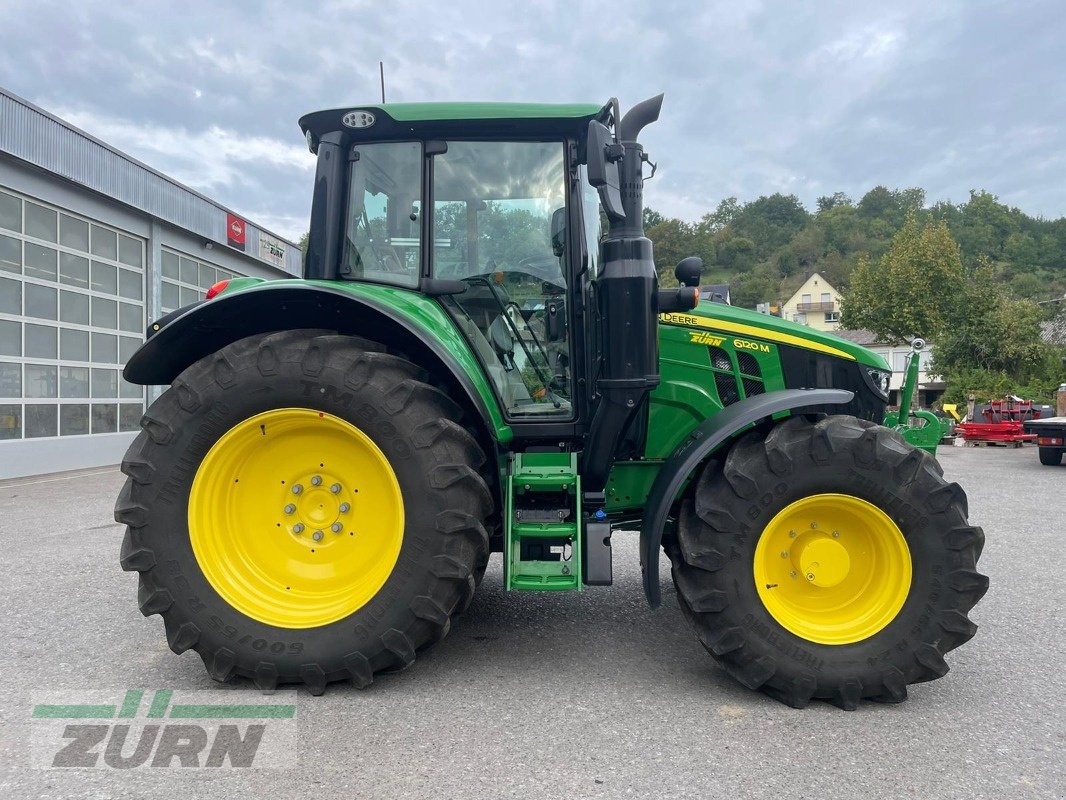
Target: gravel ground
563 696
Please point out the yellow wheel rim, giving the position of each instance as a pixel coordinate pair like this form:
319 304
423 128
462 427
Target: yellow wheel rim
832 568
296 518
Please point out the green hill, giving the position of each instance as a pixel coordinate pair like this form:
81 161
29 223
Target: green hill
764 248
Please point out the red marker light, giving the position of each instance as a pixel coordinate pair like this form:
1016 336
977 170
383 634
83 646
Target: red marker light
216 289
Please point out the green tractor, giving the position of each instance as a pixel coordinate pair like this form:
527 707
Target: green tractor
479 359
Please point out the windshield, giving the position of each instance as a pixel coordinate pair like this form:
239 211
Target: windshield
384 207
499 221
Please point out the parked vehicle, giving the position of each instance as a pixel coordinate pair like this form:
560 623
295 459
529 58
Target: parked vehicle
1050 439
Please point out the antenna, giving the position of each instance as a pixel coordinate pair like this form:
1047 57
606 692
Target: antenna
381 69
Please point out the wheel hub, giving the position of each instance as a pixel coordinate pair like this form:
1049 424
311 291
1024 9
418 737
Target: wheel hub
825 562
322 503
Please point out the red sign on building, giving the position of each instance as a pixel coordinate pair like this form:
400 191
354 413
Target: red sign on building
235 231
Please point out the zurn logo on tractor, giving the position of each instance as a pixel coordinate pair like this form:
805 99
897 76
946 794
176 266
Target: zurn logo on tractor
163 729
702 337
479 360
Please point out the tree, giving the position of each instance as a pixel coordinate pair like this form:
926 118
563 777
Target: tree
984 226
752 288
770 222
834 200
737 253
724 214
1028 285
808 246
892 206
673 240
912 289
992 332
878 202
775 237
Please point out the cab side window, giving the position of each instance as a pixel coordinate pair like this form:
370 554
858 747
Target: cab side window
382 241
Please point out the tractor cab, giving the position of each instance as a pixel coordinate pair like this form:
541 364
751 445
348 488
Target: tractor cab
493 209
494 242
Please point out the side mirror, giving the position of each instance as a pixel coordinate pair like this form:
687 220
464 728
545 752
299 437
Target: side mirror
558 231
688 271
603 172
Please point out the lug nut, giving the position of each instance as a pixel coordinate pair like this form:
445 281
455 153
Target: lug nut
792 534
298 527
836 534
316 481
345 507
792 574
335 488
290 509
814 525
810 576
336 527
297 488
784 554
317 536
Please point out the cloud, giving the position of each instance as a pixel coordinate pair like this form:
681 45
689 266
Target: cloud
290 226
760 97
208 160
869 43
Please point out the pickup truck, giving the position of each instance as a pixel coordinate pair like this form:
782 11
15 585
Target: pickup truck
1050 438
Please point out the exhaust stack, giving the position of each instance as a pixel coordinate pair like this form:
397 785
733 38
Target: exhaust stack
626 291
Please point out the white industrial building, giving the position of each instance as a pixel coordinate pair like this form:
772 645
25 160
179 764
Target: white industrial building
93 246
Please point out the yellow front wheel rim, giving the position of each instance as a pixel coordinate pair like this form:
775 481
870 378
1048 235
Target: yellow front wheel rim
832 568
296 518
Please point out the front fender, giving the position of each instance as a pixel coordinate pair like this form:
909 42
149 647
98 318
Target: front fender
704 439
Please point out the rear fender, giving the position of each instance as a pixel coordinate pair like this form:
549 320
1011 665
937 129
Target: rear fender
425 334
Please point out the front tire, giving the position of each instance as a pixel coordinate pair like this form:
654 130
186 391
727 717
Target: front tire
805 597
322 584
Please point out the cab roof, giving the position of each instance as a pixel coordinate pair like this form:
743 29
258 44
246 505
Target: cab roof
428 120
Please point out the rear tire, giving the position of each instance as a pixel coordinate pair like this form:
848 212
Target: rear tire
735 500
445 503
1050 456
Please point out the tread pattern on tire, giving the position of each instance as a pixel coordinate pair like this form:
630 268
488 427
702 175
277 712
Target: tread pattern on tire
709 527
435 428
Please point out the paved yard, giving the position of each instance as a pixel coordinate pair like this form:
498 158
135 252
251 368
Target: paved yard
561 696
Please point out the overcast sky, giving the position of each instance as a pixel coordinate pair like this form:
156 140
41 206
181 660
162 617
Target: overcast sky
804 98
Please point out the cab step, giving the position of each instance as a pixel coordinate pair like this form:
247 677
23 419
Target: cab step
542 538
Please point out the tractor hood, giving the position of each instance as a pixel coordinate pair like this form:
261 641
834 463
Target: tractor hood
753 325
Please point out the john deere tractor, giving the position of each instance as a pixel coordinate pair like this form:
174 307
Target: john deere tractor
479 359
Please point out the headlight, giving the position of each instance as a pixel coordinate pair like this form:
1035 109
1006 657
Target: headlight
878 380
